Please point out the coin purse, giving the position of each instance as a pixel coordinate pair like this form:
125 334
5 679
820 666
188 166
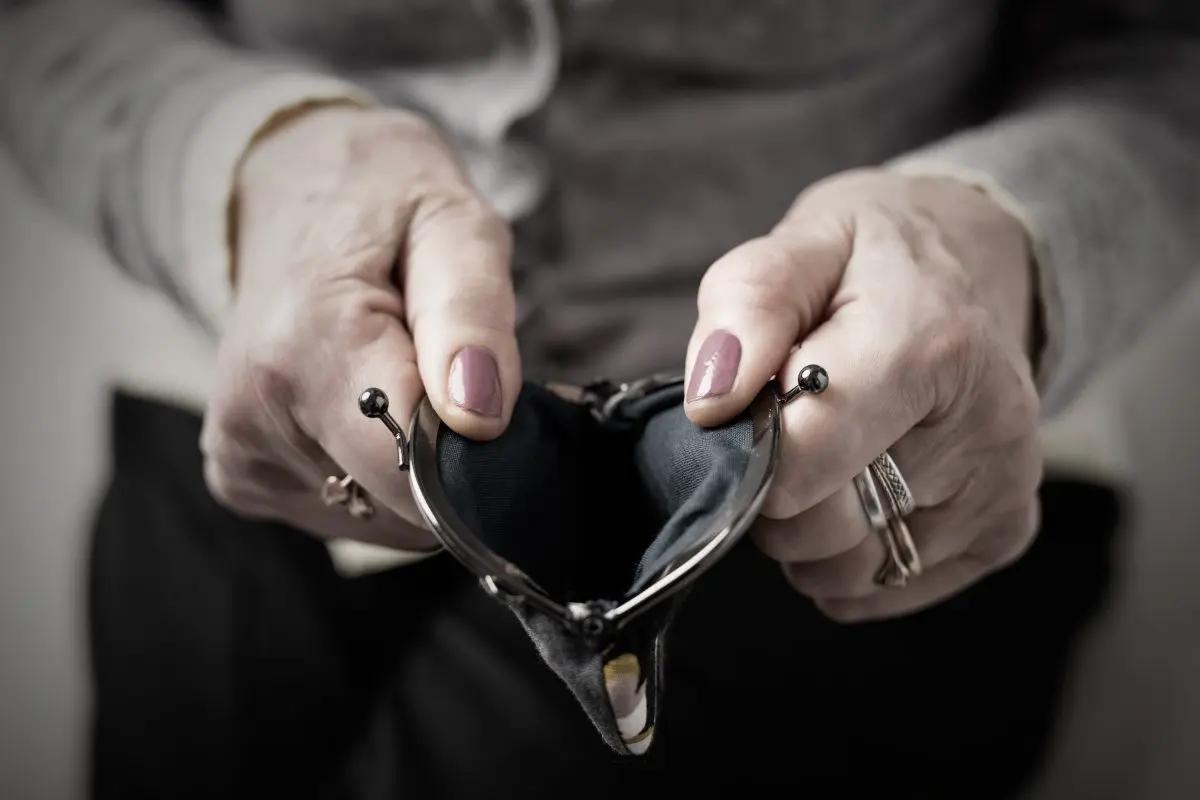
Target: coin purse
588 517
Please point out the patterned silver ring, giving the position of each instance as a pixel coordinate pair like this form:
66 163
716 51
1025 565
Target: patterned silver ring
888 475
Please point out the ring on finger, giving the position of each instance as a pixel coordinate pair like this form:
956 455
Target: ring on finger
345 491
893 572
906 548
899 502
890 478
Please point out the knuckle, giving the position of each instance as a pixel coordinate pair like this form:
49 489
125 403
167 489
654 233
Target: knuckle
1016 546
773 542
757 276
809 451
493 229
483 303
951 340
1034 469
779 503
801 578
210 432
944 358
483 236
270 383
459 204
353 322
267 369
842 611
229 492
392 126
270 346
272 358
487 295
843 576
245 417
991 547
1005 544
415 125
228 427
1021 467
1020 408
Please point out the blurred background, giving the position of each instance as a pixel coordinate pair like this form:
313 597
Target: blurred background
1131 718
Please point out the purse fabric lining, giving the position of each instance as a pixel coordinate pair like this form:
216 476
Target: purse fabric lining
589 511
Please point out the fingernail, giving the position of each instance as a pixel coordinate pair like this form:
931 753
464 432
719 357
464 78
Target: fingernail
475 381
716 366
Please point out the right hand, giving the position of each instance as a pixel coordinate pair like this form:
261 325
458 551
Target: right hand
364 258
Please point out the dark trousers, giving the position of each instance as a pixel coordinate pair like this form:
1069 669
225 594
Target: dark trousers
230 660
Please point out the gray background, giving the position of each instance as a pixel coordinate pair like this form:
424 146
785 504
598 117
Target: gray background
1131 725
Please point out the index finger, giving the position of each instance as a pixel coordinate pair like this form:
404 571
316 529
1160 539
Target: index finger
379 355
871 400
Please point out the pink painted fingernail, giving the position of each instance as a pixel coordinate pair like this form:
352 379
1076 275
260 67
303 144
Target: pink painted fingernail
475 381
716 366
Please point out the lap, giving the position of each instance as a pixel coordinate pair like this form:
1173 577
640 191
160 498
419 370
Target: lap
231 659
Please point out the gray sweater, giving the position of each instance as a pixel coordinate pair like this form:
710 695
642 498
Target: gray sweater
633 141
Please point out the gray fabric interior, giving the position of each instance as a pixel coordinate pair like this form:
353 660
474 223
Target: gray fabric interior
689 473
593 511
579 666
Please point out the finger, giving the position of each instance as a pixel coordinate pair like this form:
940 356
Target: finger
262 489
381 355
839 523
461 311
939 535
835 525
305 511
251 499
754 304
947 531
1000 546
846 575
872 399
988 447
252 446
923 591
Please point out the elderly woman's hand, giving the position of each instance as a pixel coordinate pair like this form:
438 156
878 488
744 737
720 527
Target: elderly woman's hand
365 258
915 294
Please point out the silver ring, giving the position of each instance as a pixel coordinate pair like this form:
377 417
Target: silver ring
345 491
906 548
894 572
888 475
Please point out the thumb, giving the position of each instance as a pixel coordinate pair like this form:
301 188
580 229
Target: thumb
755 303
461 312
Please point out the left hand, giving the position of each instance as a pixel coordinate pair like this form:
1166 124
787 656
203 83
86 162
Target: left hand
916 295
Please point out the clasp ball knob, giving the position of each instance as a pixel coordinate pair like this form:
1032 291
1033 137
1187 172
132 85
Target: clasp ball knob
813 379
373 403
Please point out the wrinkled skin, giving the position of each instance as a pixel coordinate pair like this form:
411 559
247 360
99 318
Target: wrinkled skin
364 258
915 293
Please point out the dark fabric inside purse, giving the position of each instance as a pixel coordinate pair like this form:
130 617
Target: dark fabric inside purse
593 510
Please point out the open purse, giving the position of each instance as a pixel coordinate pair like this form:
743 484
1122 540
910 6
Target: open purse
588 517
